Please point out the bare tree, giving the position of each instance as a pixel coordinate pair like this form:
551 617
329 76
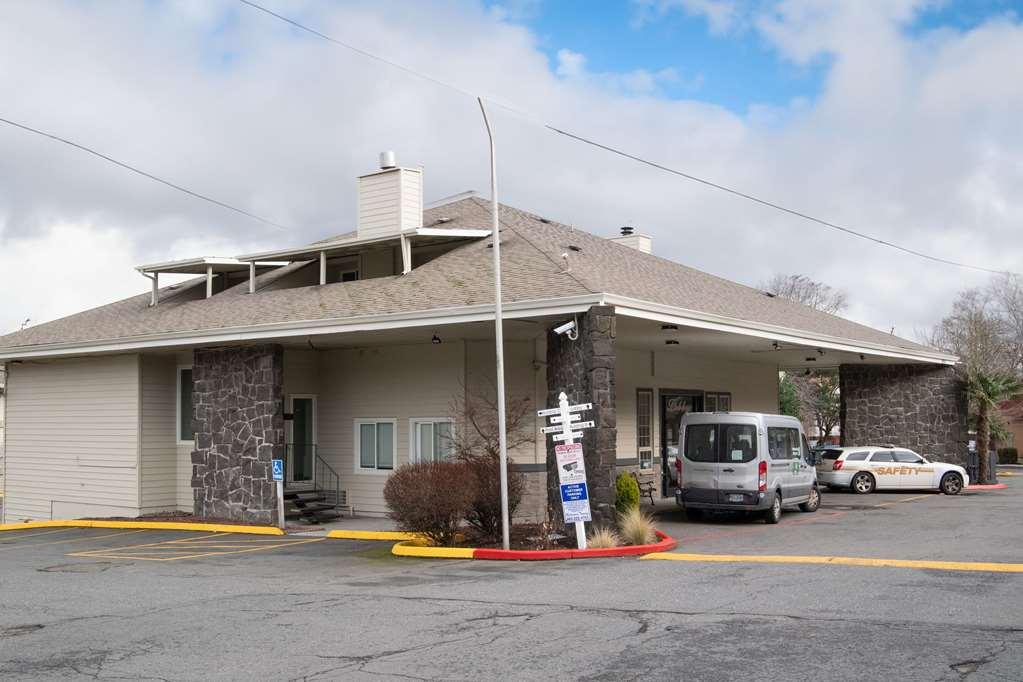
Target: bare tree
819 399
1007 292
802 289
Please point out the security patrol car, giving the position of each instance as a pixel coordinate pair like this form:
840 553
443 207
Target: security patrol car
866 469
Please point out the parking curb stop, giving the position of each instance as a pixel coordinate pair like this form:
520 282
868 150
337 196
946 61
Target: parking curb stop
418 548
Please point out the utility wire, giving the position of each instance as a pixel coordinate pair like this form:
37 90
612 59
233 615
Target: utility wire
624 154
143 173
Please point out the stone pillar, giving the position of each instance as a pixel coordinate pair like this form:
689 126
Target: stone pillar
238 394
920 407
585 370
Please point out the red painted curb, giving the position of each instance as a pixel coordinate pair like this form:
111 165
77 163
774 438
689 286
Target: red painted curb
665 544
990 486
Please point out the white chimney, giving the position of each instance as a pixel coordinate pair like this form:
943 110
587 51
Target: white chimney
390 199
634 240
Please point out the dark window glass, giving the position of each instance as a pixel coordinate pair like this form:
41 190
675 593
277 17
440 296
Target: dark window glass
857 456
779 442
739 442
882 456
907 457
185 431
833 454
701 442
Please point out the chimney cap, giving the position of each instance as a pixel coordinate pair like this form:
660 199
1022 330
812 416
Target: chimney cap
387 160
627 230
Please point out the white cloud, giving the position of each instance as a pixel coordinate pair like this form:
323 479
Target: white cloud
570 64
914 138
721 15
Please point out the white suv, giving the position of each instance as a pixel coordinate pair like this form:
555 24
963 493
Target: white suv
869 468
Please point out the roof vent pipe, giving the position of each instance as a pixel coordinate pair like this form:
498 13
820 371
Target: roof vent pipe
627 231
387 160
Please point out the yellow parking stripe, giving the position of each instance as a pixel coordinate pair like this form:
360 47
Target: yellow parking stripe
147 544
67 541
839 561
32 535
908 499
191 548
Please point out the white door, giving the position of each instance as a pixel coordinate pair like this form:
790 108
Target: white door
882 466
911 470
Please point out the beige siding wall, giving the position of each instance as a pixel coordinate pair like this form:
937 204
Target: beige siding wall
73 438
754 388
159 434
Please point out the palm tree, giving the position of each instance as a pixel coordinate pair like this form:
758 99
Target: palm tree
987 390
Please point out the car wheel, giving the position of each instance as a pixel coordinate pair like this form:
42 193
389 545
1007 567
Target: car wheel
814 503
862 483
773 515
694 514
951 484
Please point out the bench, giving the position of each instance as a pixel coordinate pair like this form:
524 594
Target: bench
647 485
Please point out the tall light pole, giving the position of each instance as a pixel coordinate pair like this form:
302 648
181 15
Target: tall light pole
495 232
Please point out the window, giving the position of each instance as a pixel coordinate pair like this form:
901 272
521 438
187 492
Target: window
645 427
783 443
374 444
344 269
431 440
185 411
834 454
731 443
857 457
882 456
717 402
739 442
907 457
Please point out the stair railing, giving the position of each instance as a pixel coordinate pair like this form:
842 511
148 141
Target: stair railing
327 481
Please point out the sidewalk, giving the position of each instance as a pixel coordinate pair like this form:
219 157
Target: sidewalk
344 523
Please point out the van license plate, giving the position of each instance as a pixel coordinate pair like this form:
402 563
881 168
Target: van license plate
736 498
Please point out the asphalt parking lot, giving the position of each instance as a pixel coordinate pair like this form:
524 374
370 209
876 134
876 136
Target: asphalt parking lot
128 604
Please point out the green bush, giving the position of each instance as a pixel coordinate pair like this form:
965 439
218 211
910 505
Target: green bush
626 492
1008 456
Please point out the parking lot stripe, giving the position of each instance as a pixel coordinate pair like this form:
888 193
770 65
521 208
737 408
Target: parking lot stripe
989 567
67 541
907 499
191 548
32 535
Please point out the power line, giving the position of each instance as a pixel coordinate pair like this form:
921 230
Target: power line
624 154
143 173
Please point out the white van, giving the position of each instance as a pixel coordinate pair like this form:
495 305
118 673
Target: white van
745 461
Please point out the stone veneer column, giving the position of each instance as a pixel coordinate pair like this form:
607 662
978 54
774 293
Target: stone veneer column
920 407
585 370
238 397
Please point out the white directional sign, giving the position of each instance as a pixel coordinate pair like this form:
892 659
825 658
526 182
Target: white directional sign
566 425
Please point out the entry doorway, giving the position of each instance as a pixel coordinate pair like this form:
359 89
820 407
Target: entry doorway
674 404
301 468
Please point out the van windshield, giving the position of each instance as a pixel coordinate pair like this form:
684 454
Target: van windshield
735 443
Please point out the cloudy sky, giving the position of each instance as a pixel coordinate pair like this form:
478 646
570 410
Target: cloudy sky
900 118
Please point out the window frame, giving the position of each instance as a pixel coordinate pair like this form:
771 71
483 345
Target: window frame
645 453
413 435
787 455
358 422
177 406
716 396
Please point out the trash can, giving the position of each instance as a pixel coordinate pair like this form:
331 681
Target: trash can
973 466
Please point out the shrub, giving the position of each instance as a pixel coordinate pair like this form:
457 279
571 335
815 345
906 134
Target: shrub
484 513
431 498
603 538
626 492
636 528
1008 456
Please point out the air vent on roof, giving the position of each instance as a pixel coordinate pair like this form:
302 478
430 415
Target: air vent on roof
635 240
573 247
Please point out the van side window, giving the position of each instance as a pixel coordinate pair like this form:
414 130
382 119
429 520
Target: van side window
739 442
701 442
783 443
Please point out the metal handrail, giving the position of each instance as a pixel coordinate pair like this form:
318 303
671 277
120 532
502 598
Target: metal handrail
325 479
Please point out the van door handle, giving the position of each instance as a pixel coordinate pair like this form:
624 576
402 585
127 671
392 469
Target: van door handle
729 470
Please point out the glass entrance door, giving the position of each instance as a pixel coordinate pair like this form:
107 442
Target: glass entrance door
674 404
302 441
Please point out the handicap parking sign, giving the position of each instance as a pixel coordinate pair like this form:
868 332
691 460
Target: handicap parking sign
278 469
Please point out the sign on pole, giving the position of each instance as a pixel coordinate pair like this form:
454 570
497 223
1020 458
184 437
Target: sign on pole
565 428
277 469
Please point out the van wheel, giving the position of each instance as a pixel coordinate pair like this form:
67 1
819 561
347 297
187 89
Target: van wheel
694 514
862 483
951 484
773 515
814 503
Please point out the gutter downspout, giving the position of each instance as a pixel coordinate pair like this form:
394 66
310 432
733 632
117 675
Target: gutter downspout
154 297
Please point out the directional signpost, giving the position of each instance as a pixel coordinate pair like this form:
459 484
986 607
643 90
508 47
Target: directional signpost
277 467
566 425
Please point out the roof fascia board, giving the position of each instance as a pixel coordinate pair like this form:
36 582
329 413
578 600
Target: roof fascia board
657 312
450 232
306 252
440 316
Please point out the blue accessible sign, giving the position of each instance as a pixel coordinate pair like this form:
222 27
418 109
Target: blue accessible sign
278 469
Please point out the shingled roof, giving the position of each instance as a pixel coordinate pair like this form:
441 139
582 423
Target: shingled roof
532 269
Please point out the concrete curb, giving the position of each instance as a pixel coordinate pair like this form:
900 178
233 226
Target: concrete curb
990 486
371 535
416 548
146 525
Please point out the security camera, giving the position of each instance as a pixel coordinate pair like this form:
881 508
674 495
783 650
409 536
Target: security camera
566 328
